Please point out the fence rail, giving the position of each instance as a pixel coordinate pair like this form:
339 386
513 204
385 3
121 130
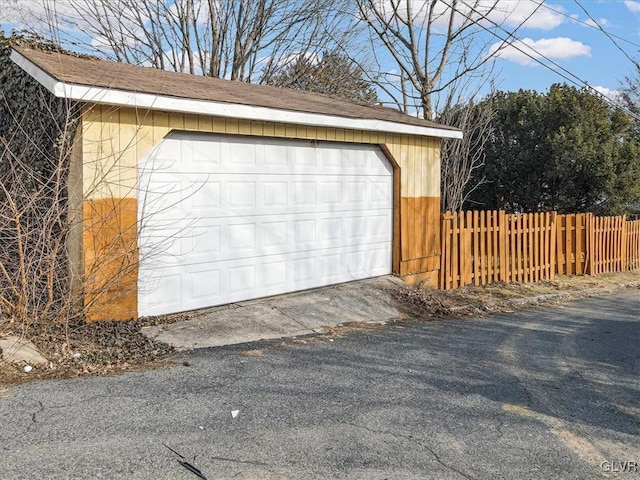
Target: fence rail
483 247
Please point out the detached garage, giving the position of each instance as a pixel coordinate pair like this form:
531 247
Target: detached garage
190 192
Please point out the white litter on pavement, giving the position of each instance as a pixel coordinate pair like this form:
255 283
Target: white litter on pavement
234 413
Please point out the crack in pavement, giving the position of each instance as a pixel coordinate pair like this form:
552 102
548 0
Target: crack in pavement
245 462
40 410
292 319
417 442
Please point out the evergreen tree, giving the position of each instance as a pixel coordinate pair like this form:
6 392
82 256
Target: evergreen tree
564 150
334 74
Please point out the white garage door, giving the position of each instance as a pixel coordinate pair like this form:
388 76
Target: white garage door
231 218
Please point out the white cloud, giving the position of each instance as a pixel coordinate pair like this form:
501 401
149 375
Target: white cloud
554 48
33 13
601 22
607 92
530 12
507 13
633 6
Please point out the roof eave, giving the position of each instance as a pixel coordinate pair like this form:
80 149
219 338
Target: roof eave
101 95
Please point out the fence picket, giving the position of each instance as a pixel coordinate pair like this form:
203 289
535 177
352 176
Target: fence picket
483 247
552 245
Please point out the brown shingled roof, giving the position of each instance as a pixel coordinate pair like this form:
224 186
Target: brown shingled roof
121 76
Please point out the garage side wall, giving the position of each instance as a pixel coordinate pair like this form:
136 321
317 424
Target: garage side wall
114 139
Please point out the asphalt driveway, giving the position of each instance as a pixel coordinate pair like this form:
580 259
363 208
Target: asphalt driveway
543 393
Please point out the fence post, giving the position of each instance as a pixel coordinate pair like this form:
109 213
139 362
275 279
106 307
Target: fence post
476 254
482 263
462 252
512 248
502 249
560 244
444 250
454 250
544 240
624 265
552 243
588 221
519 248
578 253
468 229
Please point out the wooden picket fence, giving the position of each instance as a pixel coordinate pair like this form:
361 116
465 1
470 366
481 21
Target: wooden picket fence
483 247
572 241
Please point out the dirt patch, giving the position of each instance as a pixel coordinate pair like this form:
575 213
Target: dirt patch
256 352
79 348
105 348
500 297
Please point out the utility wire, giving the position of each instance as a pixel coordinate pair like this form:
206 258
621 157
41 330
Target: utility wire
595 25
607 34
567 75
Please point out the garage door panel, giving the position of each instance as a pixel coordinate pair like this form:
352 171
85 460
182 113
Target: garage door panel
225 195
378 227
205 284
217 239
274 273
330 265
270 234
185 287
378 193
198 152
377 259
250 220
161 293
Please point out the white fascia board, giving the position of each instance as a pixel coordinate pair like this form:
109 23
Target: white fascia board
219 109
42 77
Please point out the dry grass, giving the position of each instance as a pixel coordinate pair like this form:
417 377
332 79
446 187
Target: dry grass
472 300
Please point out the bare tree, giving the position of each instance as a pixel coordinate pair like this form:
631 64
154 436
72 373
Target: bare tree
442 55
461 159
434 44
36 278
243 40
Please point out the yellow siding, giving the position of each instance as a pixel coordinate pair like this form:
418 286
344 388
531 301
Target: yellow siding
218 124
191 122
176 120
257 128
101 175
128 153
231 126
321 133
348 136
205 124
144 135
244 127
160 126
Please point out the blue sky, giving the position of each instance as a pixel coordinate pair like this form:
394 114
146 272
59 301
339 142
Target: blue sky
557 29
583 50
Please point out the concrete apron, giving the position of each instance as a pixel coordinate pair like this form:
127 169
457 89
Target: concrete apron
301 313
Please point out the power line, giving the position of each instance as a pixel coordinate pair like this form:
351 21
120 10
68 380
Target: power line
568 76
593 25
608 35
